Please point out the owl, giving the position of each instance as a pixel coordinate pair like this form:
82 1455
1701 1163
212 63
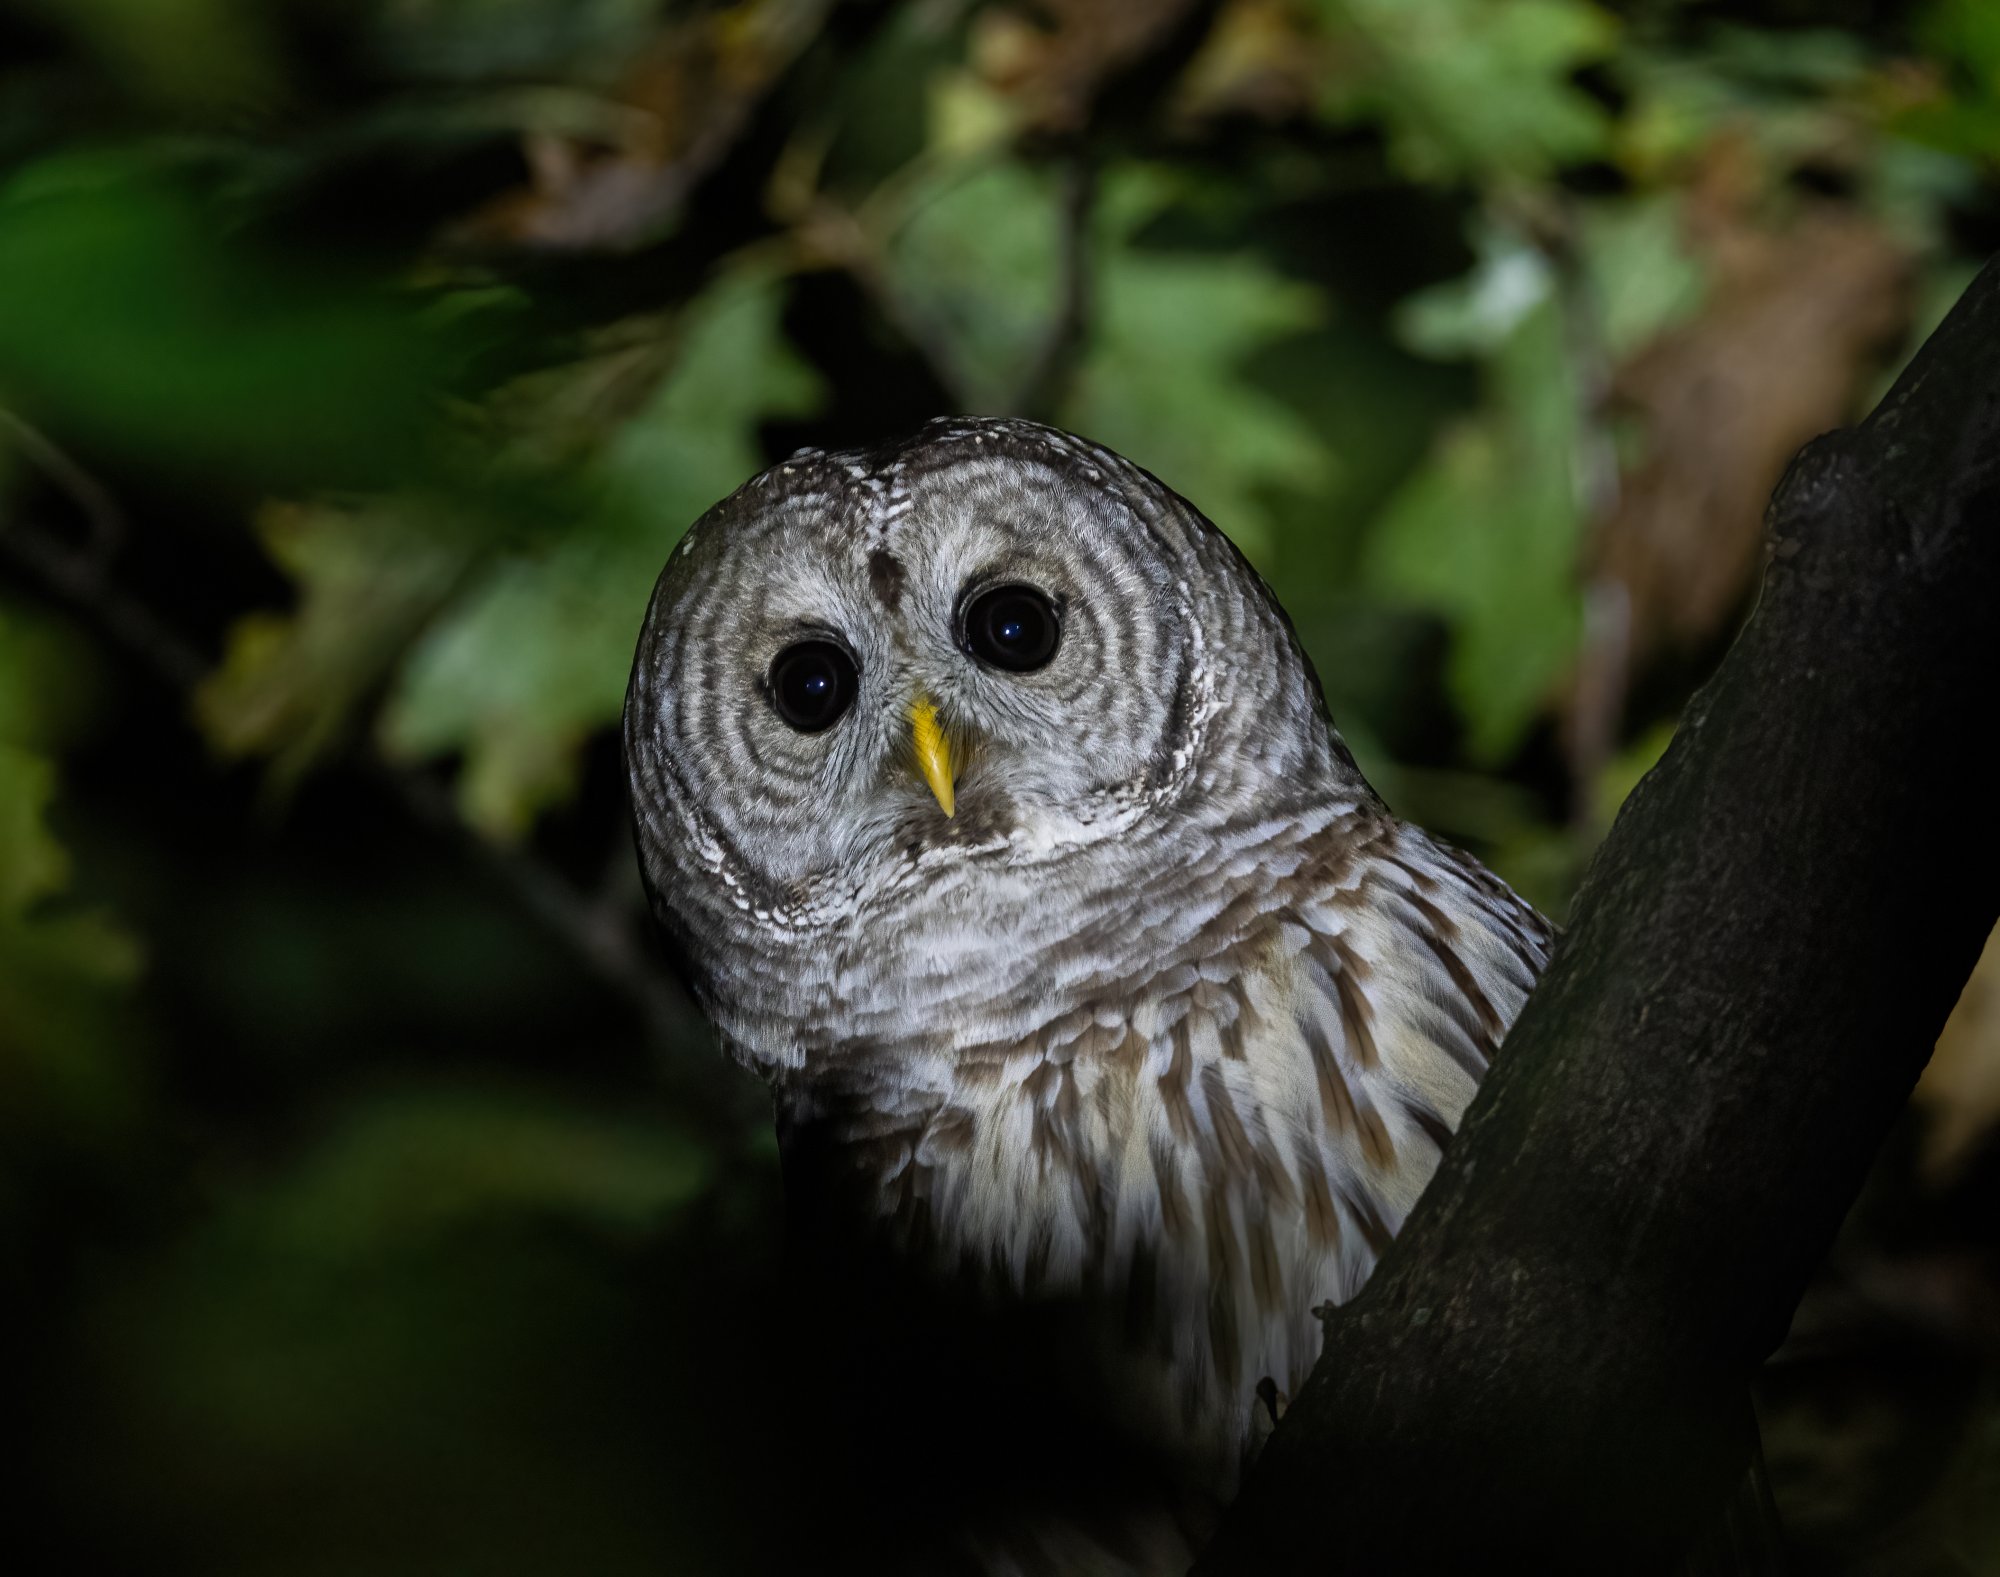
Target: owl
1001 828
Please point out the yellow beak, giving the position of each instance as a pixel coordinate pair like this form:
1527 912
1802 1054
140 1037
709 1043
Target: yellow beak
933 751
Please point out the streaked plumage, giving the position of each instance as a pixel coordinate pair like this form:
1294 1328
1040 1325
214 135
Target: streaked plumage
1172 1011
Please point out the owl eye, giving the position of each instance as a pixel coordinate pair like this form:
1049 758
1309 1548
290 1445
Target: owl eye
812 685
1013 627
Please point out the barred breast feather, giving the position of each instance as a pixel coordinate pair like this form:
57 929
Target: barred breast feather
1228 1137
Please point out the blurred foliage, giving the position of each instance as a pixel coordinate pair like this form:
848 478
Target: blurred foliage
66 967
361 363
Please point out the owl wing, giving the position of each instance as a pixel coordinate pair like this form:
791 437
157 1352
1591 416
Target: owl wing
1301 1107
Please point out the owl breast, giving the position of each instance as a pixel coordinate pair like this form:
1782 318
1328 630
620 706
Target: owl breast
1207 1098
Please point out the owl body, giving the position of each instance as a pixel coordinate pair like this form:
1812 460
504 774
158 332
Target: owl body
1153 1003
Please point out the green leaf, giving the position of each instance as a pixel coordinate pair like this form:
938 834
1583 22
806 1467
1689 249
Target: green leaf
1788 94
1487 534
134 318
1967 33
64 972
32 864
1963 36
402 1169
370 575
1476 315
1644 279
1474 89
49 679
973 263
193 54
1167 376
511 40
534 655
499 621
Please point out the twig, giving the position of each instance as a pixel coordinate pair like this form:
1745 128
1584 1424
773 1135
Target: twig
1068 328
76 578
94 501
601 935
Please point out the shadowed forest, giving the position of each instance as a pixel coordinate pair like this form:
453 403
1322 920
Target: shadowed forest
370 1196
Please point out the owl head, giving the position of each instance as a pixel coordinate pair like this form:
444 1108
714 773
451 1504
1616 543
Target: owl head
989 658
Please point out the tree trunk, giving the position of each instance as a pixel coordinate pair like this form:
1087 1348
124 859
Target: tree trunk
1547 1372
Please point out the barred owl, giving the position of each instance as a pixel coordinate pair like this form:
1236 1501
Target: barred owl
999 821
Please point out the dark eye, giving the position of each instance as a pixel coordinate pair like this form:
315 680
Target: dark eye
1012 627
812 684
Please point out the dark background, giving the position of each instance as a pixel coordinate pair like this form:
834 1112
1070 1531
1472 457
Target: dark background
369 1198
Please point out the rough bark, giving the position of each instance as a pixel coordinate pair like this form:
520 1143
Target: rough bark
1548 1370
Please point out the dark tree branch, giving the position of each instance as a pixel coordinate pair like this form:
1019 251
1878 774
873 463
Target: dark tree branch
1547 1372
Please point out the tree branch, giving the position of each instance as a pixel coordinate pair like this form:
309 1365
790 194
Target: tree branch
1547 1370
95 503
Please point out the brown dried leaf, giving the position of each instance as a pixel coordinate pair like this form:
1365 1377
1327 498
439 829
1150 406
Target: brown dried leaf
1797 319
1794 324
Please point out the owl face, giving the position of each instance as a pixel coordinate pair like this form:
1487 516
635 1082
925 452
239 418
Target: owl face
989 644
994 660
